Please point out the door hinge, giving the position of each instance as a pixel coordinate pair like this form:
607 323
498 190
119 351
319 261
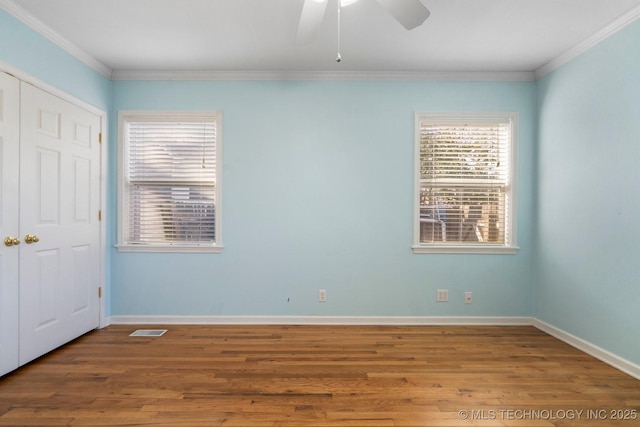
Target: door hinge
100 292
100 138
99 215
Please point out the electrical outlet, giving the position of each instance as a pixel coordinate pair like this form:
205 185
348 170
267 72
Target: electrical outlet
442 295
322 295
468 297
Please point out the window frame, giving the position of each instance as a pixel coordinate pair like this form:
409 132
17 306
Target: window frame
122 244
511 216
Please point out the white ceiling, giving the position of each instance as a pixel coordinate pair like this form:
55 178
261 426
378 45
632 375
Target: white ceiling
259 35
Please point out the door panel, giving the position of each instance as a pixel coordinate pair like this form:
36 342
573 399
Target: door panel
82 275
82 190
9 224
48 291
59 201
47 200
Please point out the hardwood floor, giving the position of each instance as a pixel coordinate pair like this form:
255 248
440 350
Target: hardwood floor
319 376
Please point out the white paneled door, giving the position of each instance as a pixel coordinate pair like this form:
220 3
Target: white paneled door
9 224
59 205
49 224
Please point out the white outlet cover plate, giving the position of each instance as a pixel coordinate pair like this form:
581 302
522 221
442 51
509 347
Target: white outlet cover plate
442 295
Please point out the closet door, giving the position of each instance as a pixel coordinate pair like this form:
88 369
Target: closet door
9 167
59 204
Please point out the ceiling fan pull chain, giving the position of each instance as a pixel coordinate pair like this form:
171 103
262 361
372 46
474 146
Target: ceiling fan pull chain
339 57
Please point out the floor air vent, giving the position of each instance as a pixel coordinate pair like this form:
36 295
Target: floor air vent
148 333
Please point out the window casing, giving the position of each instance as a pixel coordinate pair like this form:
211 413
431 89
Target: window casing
465 183
169 181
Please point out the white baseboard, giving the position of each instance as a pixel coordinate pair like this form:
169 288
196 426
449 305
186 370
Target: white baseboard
591 349
320 320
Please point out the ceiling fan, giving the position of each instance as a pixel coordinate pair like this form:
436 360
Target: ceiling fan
409 13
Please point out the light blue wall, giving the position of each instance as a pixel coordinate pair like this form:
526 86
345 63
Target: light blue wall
318 193
588 245
318 180
30 52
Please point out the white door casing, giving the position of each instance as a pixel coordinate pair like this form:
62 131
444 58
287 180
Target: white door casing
9 220
59 203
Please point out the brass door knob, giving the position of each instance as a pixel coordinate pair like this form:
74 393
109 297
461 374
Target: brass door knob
11 241
30 238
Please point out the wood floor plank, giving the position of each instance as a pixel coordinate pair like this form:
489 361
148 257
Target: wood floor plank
442 376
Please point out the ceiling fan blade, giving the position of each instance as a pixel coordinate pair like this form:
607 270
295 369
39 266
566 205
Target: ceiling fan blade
310 20
410 13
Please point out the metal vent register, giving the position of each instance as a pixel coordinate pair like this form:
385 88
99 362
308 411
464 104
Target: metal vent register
148 333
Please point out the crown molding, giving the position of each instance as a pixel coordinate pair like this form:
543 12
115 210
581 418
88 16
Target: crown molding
35 24
587 44
325 75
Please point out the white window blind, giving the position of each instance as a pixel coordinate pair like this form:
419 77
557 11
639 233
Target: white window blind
171 166
465 184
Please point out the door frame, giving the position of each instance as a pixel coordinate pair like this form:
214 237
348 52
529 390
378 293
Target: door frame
104 128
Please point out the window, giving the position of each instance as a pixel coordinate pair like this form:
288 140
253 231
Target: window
169 188
465 187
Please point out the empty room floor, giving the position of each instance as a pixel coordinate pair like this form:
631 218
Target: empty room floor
320 376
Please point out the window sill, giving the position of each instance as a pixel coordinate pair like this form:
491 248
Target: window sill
179 248
465 249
